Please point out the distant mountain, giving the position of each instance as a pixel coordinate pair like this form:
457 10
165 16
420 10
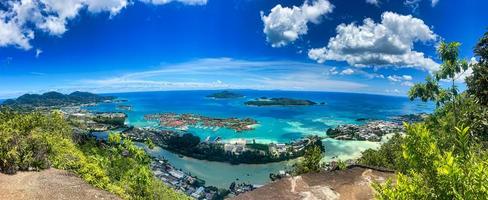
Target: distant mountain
56 99
225 95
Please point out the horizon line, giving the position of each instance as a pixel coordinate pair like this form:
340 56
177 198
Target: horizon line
182 90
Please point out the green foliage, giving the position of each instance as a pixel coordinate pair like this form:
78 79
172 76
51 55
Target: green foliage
460 172
478 81
310 161
123 169
116 121
149 143
469 113
23 142
39 141
450 67
442 158
341 165
389 155
114 138
258 146
429 91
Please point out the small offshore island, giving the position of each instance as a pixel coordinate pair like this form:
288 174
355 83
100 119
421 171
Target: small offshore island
183 121
265 101
225 95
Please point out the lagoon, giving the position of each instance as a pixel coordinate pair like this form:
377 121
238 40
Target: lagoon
276 124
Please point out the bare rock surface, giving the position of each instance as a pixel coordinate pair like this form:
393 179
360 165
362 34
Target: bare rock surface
50 184
350 184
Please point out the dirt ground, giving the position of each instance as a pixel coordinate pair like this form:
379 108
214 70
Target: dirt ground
48 184
350 184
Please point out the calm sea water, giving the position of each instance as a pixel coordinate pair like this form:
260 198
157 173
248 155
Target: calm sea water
276 124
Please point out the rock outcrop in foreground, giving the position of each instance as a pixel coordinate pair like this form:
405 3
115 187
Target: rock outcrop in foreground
50 184
353 183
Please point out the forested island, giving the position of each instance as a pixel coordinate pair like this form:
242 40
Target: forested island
52 99
264 101
225 95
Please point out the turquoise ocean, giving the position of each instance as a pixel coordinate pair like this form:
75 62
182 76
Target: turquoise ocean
277 124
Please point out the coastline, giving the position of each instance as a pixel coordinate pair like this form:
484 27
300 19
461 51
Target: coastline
256 174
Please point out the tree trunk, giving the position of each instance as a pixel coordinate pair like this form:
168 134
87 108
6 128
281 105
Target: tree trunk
454 101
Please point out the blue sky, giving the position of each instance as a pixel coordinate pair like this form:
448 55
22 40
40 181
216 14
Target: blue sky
370 46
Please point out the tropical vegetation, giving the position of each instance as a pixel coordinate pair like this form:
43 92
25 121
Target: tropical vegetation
445 156
310 162
35 141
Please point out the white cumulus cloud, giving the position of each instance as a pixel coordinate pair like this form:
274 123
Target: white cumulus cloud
396 78
20 20
407 83
394 91
187 2
407 77
388 43
434 2
347 72
38 52
404 80
374 2
236 74
284 25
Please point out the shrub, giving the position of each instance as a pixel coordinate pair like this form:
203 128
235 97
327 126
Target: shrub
24 143
389 155
310 161
433 173
34 140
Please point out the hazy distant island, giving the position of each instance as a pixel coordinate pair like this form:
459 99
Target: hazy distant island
50 99
264 101
225 95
